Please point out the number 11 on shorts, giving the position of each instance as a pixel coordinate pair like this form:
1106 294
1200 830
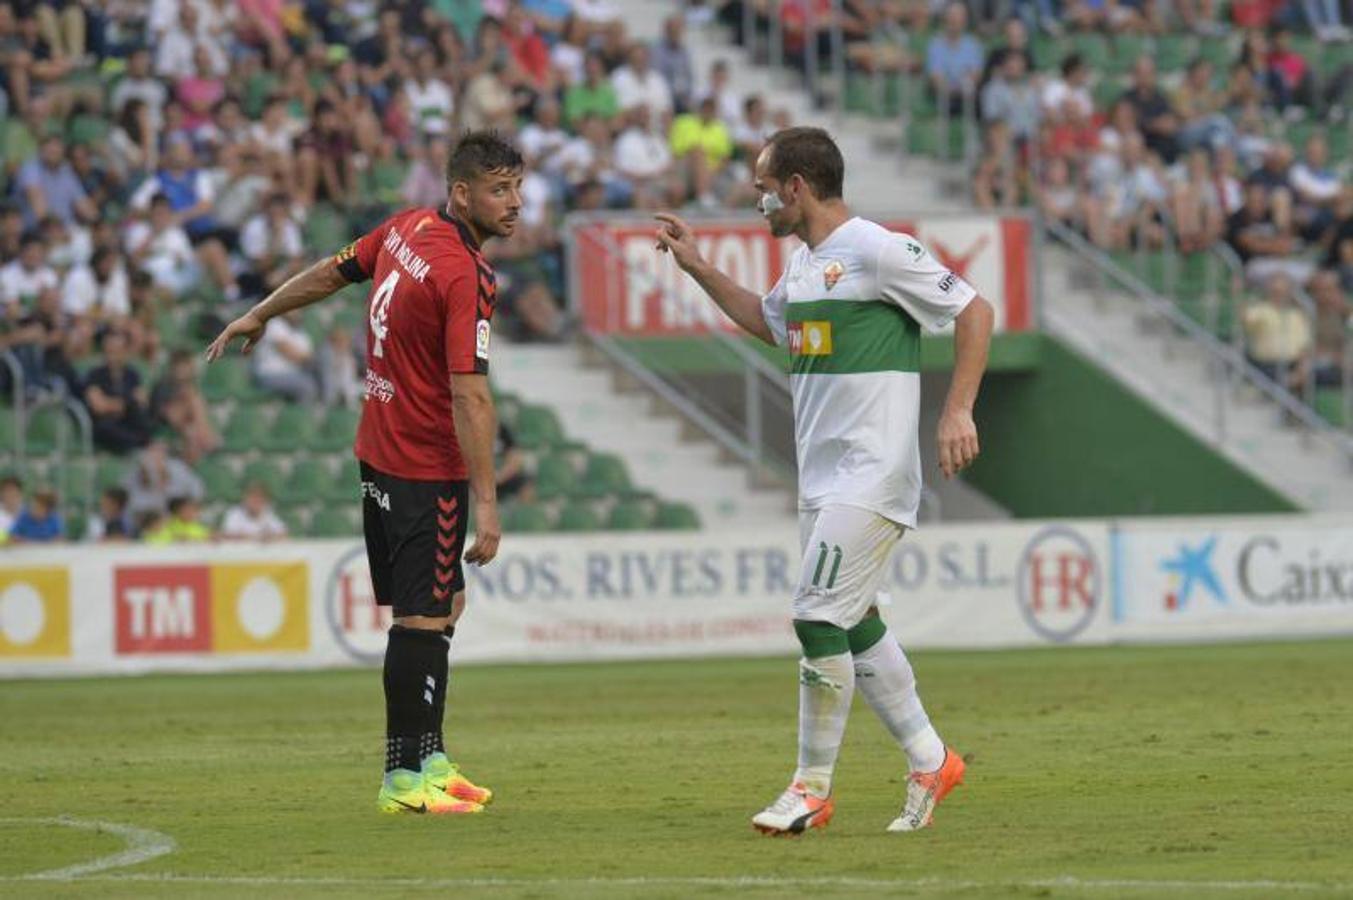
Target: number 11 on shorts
823 552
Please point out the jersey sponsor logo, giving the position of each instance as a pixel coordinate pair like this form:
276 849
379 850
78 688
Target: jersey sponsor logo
947 282
481 339
373 490
810 338
832 273
378 388
915 249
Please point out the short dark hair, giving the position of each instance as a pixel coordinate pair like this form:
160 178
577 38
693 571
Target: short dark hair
118 495
1071 63
478 153
811 154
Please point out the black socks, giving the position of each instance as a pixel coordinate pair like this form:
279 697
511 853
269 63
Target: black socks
415 695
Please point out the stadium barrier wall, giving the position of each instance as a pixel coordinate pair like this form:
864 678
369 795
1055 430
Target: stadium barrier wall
108 609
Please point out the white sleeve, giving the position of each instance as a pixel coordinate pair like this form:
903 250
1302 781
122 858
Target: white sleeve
78 293
254 238
913 279
773 309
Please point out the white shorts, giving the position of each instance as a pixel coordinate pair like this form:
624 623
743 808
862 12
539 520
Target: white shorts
845 553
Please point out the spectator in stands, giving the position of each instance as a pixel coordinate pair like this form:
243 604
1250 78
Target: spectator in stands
1333 318
11 232
1016 43
954 61
39 522
1195 206
157 244
1057 197
133 148
139 83
1155 116
1069 95
672 60
1278 338
182 525
1134 200
636 84
253 518
284 361
98 292
488 102
751 131
533 315
595 95
199 92
177 402
430 99
28 275
47 184
1315 188
11 502
272 244
569 54
340 377
116 399
542 138
727 100
701 143
1010 97
514 481
1325 19
34 67
180 42
995 179
156 477
44 340
1200 109
643 157
110 524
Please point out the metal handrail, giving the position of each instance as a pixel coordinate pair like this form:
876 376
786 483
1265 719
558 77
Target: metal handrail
1222 353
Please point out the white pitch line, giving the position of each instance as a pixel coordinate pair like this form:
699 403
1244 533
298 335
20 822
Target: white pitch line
142 845
1118 884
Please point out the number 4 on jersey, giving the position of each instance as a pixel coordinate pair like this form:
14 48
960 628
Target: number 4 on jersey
380 313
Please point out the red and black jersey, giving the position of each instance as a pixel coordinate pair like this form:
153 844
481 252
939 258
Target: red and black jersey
428 318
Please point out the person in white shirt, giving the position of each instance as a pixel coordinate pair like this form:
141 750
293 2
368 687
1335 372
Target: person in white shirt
275 133
643 156
159 245
176 50
139 83
25 277
284 361
430 100
727 101
1312 179
253 518
541 140
99 290
596 12
636 84
849 307
272 243
1069 96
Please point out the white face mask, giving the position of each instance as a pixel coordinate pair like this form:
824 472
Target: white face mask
769 203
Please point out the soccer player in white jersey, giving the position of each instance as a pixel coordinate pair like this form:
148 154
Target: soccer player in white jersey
850 305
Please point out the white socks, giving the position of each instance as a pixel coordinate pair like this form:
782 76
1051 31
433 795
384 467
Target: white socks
826 686
888 683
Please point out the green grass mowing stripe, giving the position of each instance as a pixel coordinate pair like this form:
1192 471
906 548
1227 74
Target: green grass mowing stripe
1133 765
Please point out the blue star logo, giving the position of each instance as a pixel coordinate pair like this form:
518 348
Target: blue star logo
1195 567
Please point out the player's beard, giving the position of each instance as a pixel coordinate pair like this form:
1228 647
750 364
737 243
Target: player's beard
502 226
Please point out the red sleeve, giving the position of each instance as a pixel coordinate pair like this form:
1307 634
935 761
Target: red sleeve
357 261
469 302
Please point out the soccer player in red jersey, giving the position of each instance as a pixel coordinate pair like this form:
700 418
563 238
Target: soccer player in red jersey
425 440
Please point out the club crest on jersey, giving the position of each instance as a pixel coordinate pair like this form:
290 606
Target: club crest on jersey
810 338
832 273
481 339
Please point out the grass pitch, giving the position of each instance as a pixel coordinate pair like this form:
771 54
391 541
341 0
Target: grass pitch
1185 771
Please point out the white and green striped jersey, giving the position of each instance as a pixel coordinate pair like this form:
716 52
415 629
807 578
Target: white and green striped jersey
851 310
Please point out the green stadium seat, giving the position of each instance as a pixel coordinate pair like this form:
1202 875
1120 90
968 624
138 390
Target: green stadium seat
268 473
537 427
293 429
527 518
77 477
221 482
46 426
9 430
555 476
311 479
325 229
1173 52
296 520
676 517
111 471
579 517
247 430
337 520
226 379
629 516
1218 51
1126 49
605 474
345 485
1329 404
338 430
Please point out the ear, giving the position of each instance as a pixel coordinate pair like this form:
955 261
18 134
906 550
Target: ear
460 194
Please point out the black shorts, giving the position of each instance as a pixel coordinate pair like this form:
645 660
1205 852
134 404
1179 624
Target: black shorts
415 533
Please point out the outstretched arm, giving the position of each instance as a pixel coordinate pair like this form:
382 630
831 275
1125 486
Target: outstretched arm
957 439
302 289
741 305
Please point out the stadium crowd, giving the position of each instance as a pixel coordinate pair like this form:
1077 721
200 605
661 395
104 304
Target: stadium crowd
159 157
